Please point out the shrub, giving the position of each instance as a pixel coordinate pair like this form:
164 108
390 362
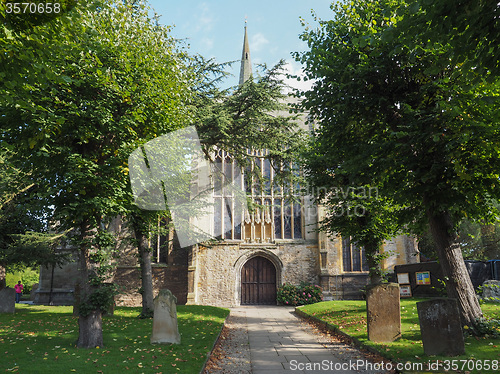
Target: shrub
487 327
306 293
27 276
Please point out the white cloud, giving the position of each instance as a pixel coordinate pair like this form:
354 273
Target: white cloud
295 69
257 41
204 18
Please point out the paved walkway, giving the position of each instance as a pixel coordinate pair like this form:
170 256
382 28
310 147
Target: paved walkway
280 342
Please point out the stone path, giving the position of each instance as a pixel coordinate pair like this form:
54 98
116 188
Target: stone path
271 339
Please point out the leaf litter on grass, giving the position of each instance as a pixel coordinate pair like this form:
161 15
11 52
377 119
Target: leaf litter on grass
47 335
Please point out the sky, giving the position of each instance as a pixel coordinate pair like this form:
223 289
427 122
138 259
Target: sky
215 28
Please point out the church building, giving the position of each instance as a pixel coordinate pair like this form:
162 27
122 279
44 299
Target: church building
271 246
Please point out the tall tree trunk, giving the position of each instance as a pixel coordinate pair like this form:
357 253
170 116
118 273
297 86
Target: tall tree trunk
458 283
146 274
374 262
90 330
90 324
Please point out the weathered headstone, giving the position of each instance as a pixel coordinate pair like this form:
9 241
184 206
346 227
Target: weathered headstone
383 312
7 300
491 290
440 327
165 329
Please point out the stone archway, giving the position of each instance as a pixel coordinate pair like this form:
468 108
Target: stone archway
258 273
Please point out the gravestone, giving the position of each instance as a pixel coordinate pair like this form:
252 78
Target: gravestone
383 312
440 327
7 300
165 329
491 290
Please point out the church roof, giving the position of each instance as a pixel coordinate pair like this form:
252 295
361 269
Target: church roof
246 65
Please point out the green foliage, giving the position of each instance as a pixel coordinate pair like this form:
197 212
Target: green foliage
478 241
103 254
399 117
487 327
26 275
337 154
84 91
32 249
22 238
101 298
441 288
303 294
80 126
402 117
470 27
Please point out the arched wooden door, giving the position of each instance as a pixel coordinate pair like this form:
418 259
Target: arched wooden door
258 282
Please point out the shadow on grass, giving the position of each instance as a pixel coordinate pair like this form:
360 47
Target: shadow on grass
38 337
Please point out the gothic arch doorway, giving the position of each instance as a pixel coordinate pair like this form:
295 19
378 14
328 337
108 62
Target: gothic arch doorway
258 282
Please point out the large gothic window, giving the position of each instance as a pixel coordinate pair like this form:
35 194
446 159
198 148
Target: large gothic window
353 256
272 215
225 225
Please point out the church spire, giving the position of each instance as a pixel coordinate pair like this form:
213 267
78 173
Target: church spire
246 65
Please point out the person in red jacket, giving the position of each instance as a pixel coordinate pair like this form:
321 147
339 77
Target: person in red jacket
19 291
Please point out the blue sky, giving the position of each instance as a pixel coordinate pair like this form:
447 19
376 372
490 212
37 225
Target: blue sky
215 28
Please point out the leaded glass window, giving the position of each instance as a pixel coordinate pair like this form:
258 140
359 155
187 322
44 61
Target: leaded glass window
353 256
272 214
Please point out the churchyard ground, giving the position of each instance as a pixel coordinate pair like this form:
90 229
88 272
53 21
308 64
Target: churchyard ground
349 316
42 339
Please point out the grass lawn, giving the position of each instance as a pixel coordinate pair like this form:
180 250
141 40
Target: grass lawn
41 339
350 317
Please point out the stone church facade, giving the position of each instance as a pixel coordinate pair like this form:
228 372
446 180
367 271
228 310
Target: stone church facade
273 245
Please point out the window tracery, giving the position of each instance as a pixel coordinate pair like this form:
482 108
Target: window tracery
272 215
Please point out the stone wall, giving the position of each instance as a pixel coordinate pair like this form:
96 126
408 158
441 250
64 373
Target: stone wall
56 285
347 286
218 269
172 277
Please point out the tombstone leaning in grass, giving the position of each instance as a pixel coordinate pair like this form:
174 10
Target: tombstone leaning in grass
165 328
383 312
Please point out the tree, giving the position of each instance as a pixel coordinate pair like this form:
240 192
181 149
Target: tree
145 225
406 119
24 240
471 28
119 80
477 241
256 115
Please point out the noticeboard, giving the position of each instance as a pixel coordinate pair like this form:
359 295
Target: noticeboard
405 291
403 278
423 278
